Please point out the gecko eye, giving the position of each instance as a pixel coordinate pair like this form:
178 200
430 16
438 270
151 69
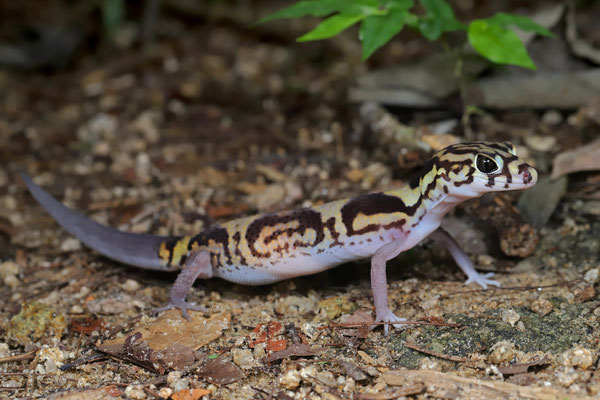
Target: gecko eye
486 164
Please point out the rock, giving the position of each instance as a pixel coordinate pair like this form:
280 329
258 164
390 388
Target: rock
502 352
578 357
542 307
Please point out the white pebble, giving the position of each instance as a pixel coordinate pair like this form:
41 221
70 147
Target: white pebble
135 392
510 316
130 285
290 380
591 276
577 357
173 376
70 244
165 392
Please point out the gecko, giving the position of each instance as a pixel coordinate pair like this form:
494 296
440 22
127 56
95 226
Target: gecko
271 247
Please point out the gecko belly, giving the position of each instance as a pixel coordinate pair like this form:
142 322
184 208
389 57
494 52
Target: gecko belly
305 261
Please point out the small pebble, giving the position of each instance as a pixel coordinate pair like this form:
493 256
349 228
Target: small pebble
312 332
76 309
552 117
181 384
510 316
9 271
173 376
502 352
586 294
51 357
259 351
333 307
327 378
290 380
294 305
165 392
135 392
591 276
8 268
4 350
577 357
243 358
355 175
567 377
130 285
542 307
70 244
12 282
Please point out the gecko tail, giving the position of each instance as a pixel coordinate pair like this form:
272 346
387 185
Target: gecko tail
129 248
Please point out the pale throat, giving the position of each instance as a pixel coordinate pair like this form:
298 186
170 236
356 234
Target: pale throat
444 204
439 203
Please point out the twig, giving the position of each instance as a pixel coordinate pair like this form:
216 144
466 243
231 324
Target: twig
83 360
529 287
361 324
435 354
21 374
19 357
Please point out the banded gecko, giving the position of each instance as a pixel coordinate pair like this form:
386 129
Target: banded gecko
267 248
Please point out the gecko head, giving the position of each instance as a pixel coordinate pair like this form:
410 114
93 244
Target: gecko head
472 169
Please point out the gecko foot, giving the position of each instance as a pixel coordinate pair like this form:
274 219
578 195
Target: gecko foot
482 280
388 316
183 306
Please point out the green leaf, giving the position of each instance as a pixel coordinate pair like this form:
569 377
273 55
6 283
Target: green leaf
113 12
403 4
315 8
212 356
431 28
375 31
498 44
412 20
504 20
439 18
365 7
331 27
322 8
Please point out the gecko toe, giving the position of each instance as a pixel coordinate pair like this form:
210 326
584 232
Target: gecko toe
389 316
483 281
183 307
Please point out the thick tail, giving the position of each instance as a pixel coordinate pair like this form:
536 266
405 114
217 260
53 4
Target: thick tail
128 248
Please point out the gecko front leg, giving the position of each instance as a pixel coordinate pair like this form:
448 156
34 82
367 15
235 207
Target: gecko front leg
379 283
462 259
198 265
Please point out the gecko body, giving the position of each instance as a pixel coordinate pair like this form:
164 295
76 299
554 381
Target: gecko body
267 248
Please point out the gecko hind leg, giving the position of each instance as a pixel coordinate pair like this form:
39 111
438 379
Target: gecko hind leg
198 265
379 284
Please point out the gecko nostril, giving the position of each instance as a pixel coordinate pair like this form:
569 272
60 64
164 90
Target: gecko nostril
526 176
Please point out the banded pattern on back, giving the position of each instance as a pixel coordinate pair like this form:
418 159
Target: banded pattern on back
261 241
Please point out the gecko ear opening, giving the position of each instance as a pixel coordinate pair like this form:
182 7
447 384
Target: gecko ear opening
511 148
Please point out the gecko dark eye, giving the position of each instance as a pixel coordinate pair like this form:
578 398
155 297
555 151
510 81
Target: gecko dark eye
486 165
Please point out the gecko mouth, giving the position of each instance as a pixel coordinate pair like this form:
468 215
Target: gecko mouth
525 180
